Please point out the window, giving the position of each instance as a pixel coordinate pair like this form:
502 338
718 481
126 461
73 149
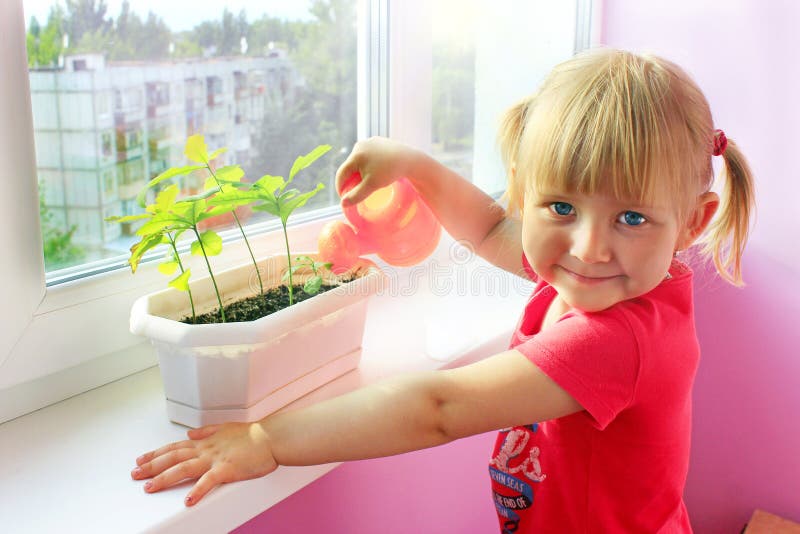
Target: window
267 80
71 334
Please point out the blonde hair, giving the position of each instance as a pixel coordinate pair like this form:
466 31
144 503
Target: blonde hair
634 126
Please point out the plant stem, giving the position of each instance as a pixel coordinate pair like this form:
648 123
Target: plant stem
213 280
288 257
180 264
241 229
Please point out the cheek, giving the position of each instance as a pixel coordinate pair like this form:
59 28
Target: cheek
543 248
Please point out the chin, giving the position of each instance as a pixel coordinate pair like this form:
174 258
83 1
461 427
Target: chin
590 305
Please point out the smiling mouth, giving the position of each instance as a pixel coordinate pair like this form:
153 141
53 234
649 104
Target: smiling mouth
588 279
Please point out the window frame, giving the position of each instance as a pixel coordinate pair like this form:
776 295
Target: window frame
48 332
50 349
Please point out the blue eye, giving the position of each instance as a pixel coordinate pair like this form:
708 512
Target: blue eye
631 218
562 208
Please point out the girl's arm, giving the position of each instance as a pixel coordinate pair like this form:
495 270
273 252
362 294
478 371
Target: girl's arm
467 213
400 415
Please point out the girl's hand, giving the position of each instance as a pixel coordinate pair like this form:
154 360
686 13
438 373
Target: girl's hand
380 162
215 454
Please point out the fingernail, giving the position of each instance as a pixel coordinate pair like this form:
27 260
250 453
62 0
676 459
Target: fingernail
148 486
136 472
189 500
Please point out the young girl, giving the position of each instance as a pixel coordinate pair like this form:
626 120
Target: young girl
610 179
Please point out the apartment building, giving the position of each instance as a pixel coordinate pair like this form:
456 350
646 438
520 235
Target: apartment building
104 129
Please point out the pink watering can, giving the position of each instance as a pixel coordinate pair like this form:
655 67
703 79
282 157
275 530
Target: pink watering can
393 222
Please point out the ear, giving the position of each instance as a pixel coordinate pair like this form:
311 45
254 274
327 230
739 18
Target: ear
698 219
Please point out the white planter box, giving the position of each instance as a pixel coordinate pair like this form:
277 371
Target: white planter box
243 371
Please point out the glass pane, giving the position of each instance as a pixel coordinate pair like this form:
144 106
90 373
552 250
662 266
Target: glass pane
453 84
117 86
486 56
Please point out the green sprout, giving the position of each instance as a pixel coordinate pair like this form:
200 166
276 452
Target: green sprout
273 196
169 216
314 283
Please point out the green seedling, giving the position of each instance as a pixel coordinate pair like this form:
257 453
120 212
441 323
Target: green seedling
229 176
165 220
164 200
314 283
270 194
169 216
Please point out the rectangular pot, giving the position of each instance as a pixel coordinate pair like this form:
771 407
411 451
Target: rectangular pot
215 373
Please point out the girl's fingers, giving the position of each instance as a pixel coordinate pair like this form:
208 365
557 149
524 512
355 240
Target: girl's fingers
188 469
202 432
356 195
344 172
163 462
207 482
146 457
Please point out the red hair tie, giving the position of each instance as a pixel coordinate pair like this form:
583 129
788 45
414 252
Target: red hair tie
720 142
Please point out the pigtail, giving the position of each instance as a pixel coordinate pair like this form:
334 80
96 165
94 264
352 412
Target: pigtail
512 125
727 234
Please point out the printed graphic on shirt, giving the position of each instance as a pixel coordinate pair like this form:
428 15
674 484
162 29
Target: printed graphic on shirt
512 469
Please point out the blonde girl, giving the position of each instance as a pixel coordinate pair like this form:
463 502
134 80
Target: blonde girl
610 179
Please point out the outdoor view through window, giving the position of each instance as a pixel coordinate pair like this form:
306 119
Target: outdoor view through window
118 85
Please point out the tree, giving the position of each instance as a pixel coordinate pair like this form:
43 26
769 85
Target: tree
325 110
44 45
453 95
86 16
58 248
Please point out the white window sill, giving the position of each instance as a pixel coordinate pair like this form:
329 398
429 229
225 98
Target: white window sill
67 466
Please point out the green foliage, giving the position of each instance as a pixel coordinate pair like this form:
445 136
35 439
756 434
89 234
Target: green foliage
314 283
169 215
44 45
59 250
454 95
270 194
86 17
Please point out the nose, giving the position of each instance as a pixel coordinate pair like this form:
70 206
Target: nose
590 243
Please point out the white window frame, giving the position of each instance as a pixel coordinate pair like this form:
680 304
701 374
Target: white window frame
60 340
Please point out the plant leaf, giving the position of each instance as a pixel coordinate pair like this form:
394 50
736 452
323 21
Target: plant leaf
212 243
304 161
160 222
230 173
270 205
166 198
214 155
182 282
166 175
294 203
167 267
216 210
322 265
270 183
126 218
313 285
138 249
200 196
210 183
196 149
233 197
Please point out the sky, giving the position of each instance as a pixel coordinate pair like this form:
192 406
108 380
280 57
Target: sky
185 14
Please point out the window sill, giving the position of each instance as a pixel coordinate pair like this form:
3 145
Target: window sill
71 460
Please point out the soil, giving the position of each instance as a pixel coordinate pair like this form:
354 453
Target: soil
256 307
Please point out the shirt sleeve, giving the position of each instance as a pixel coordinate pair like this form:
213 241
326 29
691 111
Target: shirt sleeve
593 356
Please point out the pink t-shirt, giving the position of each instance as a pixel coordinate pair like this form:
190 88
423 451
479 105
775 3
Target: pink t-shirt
620 465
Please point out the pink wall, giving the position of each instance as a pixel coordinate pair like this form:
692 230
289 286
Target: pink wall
436 490
746 440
